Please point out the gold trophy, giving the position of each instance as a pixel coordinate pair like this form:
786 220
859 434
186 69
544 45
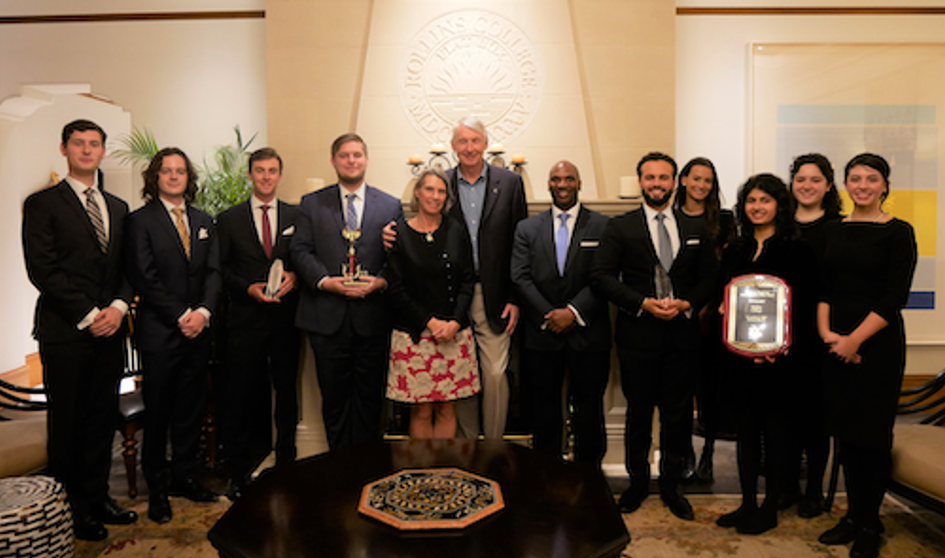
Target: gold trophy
352 270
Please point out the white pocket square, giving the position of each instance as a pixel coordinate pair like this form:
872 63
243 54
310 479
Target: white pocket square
590 243
693 241
203 234
289 230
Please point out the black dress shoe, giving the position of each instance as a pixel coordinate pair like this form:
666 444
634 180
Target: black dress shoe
193 491
110 513
677 503
810 507
631 500
159 508
788 499
866 544
757 522
87 528
732 519
234 490
842 533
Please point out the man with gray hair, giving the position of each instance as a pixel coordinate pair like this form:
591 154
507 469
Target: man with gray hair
491 202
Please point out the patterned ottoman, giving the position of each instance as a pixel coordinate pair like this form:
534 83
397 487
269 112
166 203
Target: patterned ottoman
35 519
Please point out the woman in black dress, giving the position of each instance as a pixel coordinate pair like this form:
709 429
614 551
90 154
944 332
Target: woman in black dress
768 243
433 354
817 205
870 258
697 196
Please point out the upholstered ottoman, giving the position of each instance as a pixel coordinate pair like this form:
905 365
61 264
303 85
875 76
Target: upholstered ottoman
35 519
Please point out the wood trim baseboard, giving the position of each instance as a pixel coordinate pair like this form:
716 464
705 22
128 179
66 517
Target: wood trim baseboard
143 16
815 11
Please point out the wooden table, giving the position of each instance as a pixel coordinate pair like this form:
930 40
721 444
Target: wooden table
309 508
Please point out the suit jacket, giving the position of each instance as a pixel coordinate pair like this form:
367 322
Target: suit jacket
168 283
541 289
503 207
244 262
624 273
64 261
318 250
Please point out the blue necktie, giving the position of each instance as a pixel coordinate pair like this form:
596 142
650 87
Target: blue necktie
351 214
561 245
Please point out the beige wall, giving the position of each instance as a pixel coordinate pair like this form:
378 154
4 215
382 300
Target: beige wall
316 51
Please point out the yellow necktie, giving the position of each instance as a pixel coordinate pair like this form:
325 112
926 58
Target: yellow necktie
182 229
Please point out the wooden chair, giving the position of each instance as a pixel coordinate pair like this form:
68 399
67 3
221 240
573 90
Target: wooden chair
131 410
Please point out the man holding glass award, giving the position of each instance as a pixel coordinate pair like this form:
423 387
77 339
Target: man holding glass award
340 261
658 266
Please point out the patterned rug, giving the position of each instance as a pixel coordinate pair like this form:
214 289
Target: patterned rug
655 532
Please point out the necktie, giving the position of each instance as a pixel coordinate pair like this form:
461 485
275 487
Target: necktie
351 214
95 215
666 245
561 244
182 229
266 231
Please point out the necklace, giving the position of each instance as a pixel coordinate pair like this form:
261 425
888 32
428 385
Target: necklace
429 236
426 229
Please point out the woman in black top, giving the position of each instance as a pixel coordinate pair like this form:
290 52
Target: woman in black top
697 195
433 355
870 258
768 244
817 205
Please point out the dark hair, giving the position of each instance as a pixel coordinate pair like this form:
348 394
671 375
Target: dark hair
343 139
437 172
263 154
873 161
656 156
784 224
150 192
81 125
831 202
713 206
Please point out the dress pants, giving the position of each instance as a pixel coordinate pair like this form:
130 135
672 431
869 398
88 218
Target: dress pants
658 377
588 373
81 380
259 361
352 376
175 384
493 352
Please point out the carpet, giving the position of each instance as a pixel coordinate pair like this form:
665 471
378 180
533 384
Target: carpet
655 532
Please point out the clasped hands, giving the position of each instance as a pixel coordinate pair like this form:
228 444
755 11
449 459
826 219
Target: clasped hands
443 330
337 286
667 308
258 290
843 347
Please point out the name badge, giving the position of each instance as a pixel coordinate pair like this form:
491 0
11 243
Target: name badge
590 243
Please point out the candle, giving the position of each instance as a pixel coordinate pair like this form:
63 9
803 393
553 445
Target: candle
415 159
496 148
518 159
629 187
438 149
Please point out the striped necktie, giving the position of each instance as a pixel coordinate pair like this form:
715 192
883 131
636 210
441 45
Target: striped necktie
182 229
95 216
351 213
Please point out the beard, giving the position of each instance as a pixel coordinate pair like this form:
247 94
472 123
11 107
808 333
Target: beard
657 202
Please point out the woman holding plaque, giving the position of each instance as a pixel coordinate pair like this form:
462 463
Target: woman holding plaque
870 258
768 244
697 195
817 205
433 354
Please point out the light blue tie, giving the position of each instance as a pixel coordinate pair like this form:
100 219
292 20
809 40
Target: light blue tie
561 245
351 214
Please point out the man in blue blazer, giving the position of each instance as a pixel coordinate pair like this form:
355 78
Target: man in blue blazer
173 262
262 342
72 240
658 267
565 325
349 325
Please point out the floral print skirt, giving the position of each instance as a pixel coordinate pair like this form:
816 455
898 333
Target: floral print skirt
430 371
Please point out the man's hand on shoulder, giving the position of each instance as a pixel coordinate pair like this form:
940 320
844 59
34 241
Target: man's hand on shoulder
389 235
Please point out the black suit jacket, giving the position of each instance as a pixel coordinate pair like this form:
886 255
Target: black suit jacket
503 207
168 283
65 264
244 262
541 289
318 250
624 273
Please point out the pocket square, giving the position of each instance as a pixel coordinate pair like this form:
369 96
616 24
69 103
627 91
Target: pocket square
590 243
289 230
203 234
693 241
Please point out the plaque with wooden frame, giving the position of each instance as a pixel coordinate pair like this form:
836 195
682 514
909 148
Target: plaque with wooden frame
757 315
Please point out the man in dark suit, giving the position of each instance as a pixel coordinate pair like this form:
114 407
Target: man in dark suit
566 326
173 261
72 242
348 322
657 266
262 349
